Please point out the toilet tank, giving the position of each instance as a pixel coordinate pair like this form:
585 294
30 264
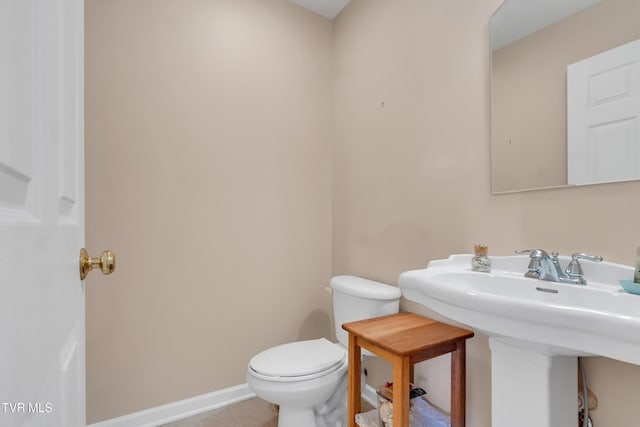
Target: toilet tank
355 298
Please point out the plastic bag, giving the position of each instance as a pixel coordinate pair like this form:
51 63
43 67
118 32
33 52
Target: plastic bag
422 414
368 419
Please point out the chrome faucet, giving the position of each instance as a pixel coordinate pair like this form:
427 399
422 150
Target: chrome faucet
545 267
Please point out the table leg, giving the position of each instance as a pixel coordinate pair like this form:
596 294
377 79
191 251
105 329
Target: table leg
401 373
458 391
354 380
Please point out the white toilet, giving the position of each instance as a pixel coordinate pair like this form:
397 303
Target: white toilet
308 379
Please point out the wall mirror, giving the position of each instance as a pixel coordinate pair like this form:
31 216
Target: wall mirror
544 98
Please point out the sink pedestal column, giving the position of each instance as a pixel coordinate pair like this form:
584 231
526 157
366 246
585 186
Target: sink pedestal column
530 389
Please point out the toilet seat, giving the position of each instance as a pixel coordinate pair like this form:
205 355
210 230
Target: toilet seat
298 361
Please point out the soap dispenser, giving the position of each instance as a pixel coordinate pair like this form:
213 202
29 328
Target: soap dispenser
481 262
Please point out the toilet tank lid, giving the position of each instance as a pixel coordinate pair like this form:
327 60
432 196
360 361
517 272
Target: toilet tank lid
365 288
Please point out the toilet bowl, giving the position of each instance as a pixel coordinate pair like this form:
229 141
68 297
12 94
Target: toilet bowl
308 379
301 377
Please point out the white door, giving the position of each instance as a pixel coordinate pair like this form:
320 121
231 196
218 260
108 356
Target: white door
603 112
41 213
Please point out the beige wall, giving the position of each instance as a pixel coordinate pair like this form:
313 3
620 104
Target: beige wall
208 169
412 178
210 174
529 107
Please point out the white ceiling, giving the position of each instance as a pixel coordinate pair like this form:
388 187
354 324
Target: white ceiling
514 20
518 18
327 8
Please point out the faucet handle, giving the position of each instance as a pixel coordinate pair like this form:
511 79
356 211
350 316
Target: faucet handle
535 253
574 269
535 265
594 258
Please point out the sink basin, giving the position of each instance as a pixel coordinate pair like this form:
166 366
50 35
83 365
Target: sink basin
552 318
536 328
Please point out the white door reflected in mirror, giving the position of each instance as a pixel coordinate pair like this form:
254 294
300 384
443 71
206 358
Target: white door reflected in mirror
603 108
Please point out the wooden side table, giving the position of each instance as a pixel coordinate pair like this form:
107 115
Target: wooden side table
405 339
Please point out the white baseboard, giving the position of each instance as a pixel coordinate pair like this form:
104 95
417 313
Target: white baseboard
370 395
196 405
182 409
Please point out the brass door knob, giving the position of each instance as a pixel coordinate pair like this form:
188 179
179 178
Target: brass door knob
106 262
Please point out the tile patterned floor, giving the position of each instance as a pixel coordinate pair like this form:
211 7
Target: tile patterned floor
249 413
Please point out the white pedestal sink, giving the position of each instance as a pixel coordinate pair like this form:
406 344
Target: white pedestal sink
536 329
